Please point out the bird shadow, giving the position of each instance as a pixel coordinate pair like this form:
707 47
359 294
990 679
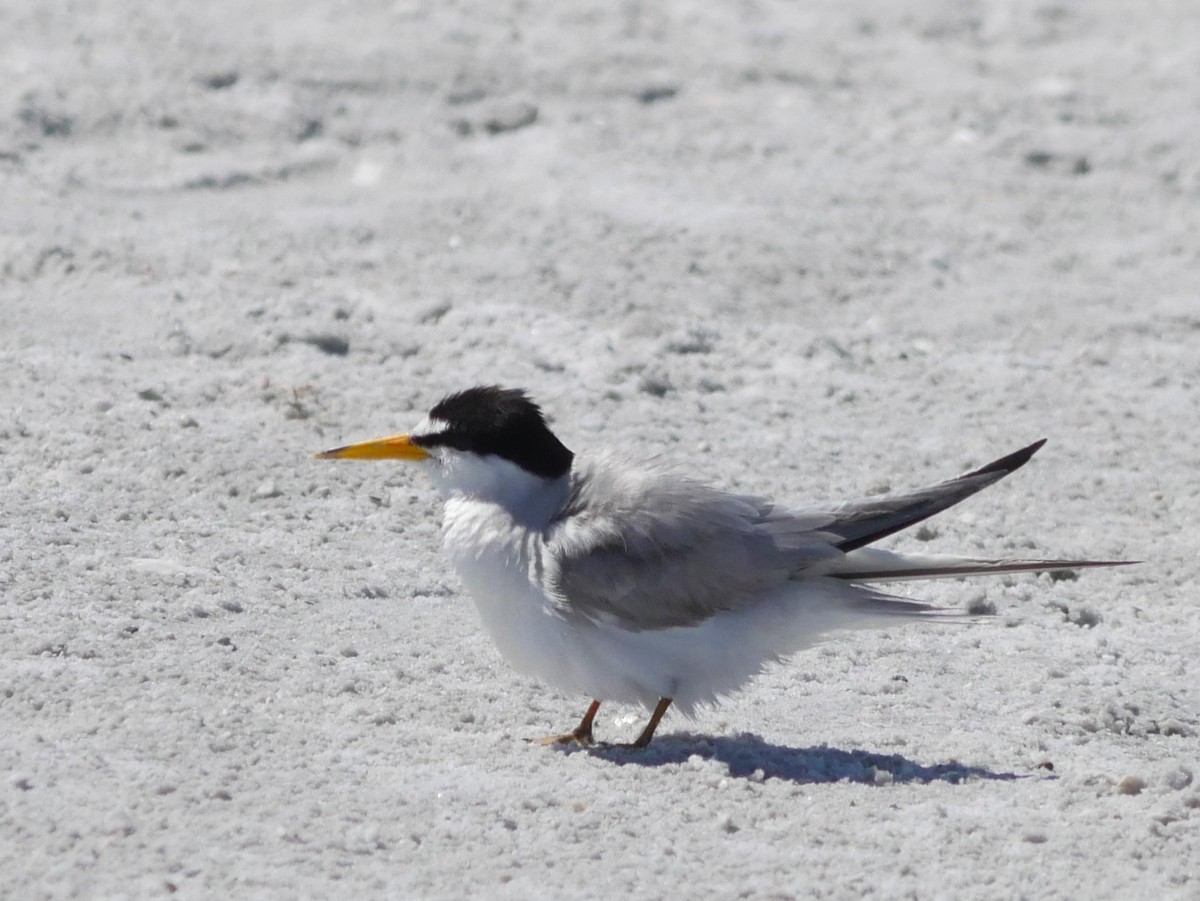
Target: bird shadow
748 756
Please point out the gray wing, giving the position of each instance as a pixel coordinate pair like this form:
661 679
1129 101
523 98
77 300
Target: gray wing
652 550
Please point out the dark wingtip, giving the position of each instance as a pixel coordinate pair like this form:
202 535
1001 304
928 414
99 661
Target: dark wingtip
1011 463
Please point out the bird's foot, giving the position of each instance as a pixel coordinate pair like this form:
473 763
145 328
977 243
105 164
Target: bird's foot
581 737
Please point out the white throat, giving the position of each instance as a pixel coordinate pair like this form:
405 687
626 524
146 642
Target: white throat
529 499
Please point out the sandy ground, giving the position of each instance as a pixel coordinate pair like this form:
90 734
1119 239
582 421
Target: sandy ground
811 250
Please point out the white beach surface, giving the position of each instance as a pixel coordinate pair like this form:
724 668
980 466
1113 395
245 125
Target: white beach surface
809 250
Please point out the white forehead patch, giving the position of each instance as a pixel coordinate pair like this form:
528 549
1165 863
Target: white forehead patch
430 425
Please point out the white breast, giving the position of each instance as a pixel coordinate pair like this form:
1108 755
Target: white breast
499 563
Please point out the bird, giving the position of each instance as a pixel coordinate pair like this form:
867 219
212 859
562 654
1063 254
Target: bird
626 580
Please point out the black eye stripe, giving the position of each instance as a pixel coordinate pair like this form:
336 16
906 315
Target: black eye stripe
448 438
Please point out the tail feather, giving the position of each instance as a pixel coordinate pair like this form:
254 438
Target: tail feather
879 607
853 525
874 565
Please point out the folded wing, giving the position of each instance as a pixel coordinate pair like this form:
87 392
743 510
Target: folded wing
652 550
861 522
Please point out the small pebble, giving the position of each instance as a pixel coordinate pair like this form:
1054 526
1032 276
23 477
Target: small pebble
1179 778
1131 785
655 384
510 118
655 93
334 345
267 489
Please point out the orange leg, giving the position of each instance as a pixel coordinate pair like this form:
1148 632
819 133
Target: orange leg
582 734
655 719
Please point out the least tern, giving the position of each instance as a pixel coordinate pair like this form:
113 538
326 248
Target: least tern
629 582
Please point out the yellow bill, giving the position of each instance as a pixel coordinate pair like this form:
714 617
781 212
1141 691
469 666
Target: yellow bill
395 447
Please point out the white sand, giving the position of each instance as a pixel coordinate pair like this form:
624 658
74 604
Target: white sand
811 249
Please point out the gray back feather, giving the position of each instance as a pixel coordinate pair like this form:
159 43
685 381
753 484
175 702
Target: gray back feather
653 549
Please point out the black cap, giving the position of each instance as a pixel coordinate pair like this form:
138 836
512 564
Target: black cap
490 420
